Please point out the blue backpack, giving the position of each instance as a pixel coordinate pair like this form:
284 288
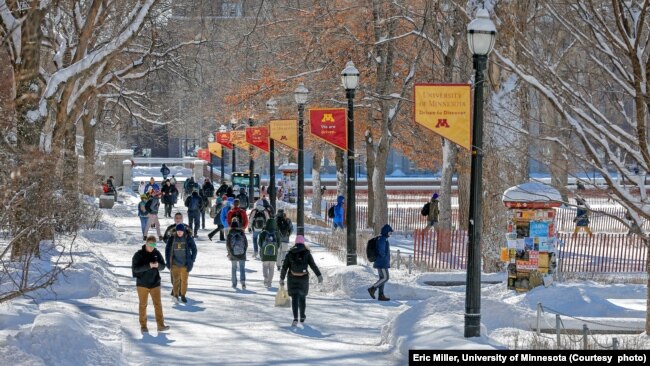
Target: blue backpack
270 247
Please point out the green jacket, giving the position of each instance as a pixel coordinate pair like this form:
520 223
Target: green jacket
270 228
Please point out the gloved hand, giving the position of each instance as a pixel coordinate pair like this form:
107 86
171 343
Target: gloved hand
281 283
320 279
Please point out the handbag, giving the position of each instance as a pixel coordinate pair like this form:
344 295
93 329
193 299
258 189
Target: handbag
282 298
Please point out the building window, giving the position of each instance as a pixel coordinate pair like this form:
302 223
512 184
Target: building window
231 10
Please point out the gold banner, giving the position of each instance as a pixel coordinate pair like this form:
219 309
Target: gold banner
238 138
446 110
285 132
215 148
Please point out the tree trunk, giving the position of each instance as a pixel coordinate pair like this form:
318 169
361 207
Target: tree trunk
317 158
444 221
88 123
380 217
463 170
340 173
370 169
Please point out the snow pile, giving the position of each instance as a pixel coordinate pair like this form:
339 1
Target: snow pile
144 173
48 340
532 192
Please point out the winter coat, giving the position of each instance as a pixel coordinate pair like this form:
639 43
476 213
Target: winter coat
164 171
141 190
230 193
270 228
434 210
259 207
298 285
224 212
268 206
153 205
142 210
171 231
208 189
582 217
146 276
194 198
243 198
190 252
231 213
338 211
223 189
383 248
154 187
217 219
286 233
229 240
168 194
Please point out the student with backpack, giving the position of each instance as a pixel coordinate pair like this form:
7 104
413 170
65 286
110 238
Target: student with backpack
296 263
285 228
431 210
193 204
180 255
228 205
215 213
257 218
239 214
205 206
269 242
152 206
142 212
380 247
582 217
237 244
338 211
243 198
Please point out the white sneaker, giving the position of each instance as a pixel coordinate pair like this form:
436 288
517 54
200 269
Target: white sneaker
294 323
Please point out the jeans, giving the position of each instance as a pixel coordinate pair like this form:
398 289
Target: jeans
255 235
298 302
203 219
143 223
153 220
242 271
284 248
220 230
383 278
168 210
195 220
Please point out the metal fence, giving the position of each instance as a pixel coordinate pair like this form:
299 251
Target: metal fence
440 250
601 253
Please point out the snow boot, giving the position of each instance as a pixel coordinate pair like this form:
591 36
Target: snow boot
243 286
144 330
210 237
302 320
163 328
183 299
371 291
383 298
294 323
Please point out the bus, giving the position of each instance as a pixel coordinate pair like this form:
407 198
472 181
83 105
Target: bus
241 179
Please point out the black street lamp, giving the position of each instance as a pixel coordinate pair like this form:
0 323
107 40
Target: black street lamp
301 95
481 34
350 79
223 128
233 122
251 170
211 139
272 108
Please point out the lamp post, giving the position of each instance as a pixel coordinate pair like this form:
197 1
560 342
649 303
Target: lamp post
223 128
211 139
481 34
272 107
251 170
233 122
350 80
301 95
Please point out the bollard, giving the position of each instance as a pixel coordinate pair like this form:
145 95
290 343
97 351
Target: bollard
410 262
399 259
585 330
539 314
615 343
557 331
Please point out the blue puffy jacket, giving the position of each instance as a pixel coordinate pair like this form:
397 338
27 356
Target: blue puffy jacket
383 248
224 211
338 211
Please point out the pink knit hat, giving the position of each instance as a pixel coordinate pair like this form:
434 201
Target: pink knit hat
300 239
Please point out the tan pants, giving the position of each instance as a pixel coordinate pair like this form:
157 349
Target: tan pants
179 276
153 219
143 297
586 229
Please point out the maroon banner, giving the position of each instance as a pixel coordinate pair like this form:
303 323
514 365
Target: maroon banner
203 154
330 125
224 139
258 137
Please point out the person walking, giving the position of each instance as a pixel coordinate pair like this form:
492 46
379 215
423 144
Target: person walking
205 206
295 264
582 217
141 189
230 193
173 180
229 204
151 186
153 206
171 229
217 220
257 218
146 265
338 213
164 171
431 210
382 263
193 204
237 245
208 190
142 213
175 194
223 189
285 228
243 198
180 254
269 243
239 214
168 191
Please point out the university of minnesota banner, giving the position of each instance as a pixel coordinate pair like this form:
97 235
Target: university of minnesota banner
285 132
446 110
215 148
330 125
238 138
258 137
203 154
224 139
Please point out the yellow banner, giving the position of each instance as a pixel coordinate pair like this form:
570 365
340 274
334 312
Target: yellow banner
238 138
446 110
215 148
285 132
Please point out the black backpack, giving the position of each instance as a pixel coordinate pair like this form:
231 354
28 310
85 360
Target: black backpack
425 209
284 226
259 220
371 249
195 204
330 212
238 244
300 262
